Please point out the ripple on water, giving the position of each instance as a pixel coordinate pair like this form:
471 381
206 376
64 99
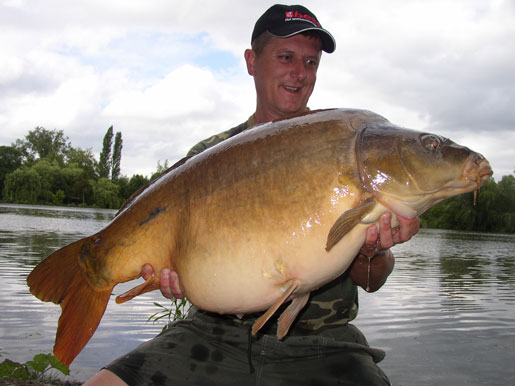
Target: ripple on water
445 316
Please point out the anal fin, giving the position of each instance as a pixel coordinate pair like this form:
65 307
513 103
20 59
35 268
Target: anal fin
149 285
261 321
290 314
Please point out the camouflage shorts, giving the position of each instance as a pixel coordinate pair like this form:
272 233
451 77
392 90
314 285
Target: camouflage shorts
208 349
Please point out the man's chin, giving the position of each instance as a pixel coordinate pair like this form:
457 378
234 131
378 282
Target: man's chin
293 110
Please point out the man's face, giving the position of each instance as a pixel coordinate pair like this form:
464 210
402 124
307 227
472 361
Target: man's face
284 75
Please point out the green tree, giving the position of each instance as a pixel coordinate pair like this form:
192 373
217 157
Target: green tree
23 186
77 188
136 182
10 160
507 203
104 163
161 168
52 179
494 210
84 159
80 169
41 143
106 194
128 187
117 156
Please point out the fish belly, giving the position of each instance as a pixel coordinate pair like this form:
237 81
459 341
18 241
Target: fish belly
250 276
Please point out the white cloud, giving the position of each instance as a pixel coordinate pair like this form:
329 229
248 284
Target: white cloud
169 73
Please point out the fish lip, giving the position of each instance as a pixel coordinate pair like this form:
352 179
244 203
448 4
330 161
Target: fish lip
485 172
477 170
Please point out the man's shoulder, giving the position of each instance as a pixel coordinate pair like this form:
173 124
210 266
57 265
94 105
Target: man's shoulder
217 138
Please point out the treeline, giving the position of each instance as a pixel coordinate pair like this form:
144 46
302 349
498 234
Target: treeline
493 212
44 168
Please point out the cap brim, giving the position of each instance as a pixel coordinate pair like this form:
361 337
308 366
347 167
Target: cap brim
328 42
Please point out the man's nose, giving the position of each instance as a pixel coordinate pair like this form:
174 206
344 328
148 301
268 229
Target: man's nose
298 70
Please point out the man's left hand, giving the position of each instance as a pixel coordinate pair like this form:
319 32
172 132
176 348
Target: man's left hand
375 261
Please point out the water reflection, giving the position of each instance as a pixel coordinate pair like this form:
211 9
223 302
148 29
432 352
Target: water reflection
27 326
447 312
446 315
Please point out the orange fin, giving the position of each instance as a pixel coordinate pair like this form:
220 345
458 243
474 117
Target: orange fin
149 285
290 314
61 280
261 321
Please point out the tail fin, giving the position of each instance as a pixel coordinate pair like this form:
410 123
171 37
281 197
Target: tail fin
61 280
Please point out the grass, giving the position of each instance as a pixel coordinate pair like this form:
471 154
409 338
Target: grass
36 372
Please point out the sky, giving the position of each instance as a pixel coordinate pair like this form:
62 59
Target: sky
169 73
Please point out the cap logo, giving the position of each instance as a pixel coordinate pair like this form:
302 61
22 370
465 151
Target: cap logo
290 16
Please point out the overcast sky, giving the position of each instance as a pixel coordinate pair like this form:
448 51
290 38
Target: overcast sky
169 73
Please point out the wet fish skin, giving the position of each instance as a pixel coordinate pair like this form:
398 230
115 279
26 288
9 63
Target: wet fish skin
262 218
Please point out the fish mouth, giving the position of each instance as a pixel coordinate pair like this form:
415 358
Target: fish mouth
477 170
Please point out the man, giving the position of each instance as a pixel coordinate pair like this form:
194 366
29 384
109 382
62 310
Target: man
322 348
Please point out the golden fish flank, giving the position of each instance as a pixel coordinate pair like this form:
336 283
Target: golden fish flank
260 219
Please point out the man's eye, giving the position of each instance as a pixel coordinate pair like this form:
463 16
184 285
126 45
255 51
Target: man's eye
312 62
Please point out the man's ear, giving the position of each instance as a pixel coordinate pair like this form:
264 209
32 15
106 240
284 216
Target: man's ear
250 59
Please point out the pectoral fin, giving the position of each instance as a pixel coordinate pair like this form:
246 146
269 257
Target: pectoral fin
290 314
261 321
149 285
347 221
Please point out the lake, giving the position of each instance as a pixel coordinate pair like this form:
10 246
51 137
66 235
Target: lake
446 315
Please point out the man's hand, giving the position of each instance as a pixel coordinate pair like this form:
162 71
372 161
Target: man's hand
169 281
375 261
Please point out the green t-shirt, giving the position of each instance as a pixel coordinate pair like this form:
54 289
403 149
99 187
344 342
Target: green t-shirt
332 305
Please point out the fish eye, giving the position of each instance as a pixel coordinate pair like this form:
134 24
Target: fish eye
430 141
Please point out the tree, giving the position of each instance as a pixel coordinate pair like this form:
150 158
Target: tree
104 164
23 186
83 159
493 212
507 203
41 143
128 187
10 160
52 179
117 156
136 182
106 193
77 186
161 168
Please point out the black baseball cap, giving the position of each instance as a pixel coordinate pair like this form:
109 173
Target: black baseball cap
288 20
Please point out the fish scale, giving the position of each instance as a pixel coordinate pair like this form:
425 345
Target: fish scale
262 218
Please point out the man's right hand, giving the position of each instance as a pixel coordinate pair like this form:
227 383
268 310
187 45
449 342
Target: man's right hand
169 281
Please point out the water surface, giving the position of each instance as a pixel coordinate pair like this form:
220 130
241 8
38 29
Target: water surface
446 315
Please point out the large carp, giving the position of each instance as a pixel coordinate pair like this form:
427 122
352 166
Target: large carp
260 219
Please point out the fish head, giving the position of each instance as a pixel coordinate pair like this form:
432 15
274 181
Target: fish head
410 171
